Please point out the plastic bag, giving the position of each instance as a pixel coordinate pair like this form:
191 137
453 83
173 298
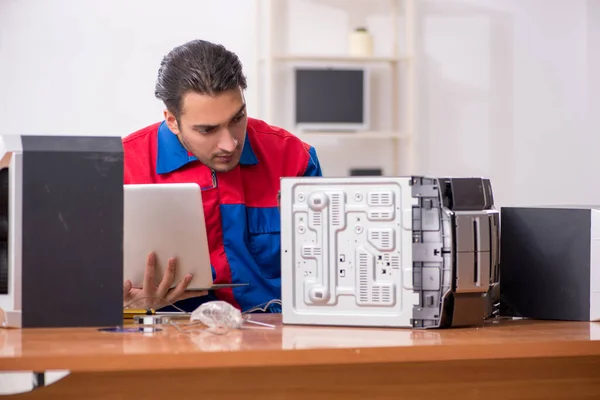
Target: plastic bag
218 315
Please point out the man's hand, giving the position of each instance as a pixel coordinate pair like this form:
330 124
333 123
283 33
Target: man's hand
155 297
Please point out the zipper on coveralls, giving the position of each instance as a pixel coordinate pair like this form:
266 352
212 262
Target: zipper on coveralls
214 178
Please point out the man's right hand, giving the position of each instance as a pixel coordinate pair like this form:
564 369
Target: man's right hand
155 297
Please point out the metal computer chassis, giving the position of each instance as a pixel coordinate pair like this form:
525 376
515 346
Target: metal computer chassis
413 252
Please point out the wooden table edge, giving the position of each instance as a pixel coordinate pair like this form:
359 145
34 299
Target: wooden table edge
300 357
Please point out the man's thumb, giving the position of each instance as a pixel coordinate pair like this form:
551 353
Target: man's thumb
127 287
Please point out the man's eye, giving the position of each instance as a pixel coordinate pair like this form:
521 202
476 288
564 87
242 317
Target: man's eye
238 118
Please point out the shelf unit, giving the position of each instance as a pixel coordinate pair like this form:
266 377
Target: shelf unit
400 135
334 58
381 134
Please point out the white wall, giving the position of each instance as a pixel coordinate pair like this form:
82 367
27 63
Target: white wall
593 49
89 67
515 101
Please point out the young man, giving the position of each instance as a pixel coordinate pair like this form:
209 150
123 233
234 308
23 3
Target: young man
207 138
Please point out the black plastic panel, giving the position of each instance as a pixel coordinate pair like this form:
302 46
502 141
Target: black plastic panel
72 231
4 231
545 258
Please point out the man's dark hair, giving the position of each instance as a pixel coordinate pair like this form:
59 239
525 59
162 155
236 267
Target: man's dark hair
199 66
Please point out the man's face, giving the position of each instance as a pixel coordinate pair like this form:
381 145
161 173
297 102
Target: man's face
213 128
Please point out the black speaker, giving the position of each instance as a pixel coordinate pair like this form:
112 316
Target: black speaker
551 262
61 231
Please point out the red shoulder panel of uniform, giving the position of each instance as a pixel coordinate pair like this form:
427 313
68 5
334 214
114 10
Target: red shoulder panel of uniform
140 155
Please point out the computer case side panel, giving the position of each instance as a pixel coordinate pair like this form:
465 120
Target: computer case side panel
72 231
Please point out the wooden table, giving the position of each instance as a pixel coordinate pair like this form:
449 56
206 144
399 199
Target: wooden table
509 359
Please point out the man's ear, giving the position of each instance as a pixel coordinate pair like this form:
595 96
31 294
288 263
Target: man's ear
171 122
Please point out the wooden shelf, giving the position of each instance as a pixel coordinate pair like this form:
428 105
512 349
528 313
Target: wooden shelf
352 135
338 58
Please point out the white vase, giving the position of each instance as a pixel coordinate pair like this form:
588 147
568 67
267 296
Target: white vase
361 43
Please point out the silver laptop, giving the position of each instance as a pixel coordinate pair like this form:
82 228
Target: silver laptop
167 219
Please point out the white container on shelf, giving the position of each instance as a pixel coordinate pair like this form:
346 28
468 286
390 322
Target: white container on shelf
361 43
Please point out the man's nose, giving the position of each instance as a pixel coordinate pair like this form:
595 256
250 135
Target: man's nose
227 143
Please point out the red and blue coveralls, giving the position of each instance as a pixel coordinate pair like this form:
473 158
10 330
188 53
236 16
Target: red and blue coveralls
240 206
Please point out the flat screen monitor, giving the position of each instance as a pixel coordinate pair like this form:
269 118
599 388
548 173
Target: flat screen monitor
331 99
